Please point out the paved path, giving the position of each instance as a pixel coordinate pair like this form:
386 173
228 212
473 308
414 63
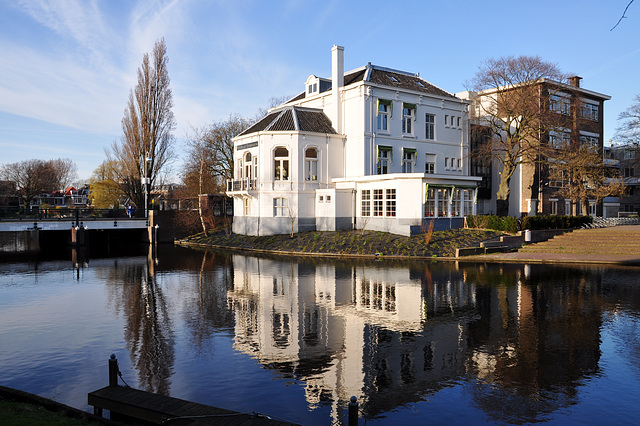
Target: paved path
615 245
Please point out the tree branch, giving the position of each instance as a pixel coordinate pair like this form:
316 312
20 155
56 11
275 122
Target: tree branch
623 16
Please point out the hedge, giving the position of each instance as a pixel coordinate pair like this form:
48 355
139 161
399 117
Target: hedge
498 223
510 224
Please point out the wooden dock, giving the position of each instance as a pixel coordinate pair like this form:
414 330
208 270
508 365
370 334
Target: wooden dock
132 405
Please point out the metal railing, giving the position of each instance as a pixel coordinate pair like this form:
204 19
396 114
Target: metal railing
244 184
65 213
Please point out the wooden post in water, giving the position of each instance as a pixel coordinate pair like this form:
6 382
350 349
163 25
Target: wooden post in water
113 371
353 412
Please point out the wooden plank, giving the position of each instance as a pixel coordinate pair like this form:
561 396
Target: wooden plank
155 408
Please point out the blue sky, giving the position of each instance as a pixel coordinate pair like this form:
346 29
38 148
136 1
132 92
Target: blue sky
67 66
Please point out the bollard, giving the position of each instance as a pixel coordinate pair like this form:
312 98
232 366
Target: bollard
113 371
353 411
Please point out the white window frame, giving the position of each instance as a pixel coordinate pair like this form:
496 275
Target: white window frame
408 116
430 126
385 160
311 165
430 164
280 207
408 160
281 165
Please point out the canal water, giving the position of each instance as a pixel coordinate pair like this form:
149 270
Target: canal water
415 342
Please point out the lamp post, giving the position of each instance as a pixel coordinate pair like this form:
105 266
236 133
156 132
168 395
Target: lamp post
145 181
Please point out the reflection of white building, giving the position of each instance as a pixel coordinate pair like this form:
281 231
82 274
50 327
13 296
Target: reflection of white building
373 147
357 330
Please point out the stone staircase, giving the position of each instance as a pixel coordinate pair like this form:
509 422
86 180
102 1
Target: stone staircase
619 240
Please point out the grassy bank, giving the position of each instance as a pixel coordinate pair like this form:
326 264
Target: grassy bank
353 242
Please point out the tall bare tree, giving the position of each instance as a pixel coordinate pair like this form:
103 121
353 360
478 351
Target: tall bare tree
511 103
148 122
32 177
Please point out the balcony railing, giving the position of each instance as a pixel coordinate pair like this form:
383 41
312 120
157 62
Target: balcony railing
245 184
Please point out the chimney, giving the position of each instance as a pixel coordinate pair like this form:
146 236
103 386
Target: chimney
575 81
337 81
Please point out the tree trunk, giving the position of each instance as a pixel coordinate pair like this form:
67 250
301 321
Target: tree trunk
502 196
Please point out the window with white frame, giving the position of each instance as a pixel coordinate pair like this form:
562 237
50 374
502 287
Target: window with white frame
554 206
567 207
458 122
467 197
443 202
281 163
430 164
408 160
248 172
385 155
390 202
446 163
459 163
556 177
456 203
280 207
592 207
366 202
430 126
452 120
377 202
430 203
311 164
408 114
384 110
246 206
446 121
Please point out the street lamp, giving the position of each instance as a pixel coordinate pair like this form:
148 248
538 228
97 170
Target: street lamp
146 182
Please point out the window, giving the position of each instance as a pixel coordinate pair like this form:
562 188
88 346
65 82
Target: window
391 202
311 164
443 202
452 120
385 156
430 203
559 104
458 121
384 108
559 139
377 202
456 204
247 206
430 164
366 202
430 126
589 111
446 121
328 198
280 207
629 172
592 140
459 163
408 111
408 160
281 163
567 207
247 166
554 206
592 207
556 177
468 201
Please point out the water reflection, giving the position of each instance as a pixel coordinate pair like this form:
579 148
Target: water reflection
393 335
135 294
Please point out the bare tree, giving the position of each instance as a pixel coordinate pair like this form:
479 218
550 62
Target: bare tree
512 95
629 129
579 173
148 122
32 177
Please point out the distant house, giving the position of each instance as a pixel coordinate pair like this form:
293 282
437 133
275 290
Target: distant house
625 158
532 192
373 148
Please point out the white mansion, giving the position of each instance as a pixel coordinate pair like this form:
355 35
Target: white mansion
372 148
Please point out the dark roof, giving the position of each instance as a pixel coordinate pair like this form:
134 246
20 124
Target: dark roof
293 119
402 80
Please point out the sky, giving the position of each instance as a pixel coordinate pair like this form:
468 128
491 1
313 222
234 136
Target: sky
67 66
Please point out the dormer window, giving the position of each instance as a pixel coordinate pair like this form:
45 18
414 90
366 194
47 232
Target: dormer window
419 84
392 78
313 88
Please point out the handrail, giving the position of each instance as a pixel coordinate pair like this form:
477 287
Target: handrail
65 213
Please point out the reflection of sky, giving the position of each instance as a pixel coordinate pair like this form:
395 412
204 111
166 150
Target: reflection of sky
57 332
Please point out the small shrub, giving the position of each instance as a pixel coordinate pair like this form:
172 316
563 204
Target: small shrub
498 223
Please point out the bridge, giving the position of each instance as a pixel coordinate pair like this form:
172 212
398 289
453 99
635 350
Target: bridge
75 224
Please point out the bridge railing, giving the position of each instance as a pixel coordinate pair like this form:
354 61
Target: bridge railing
65 213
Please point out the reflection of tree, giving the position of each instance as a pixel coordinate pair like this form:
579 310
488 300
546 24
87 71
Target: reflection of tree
535 341
148 331
208 313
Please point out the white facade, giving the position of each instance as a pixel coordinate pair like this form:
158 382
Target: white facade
385 151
